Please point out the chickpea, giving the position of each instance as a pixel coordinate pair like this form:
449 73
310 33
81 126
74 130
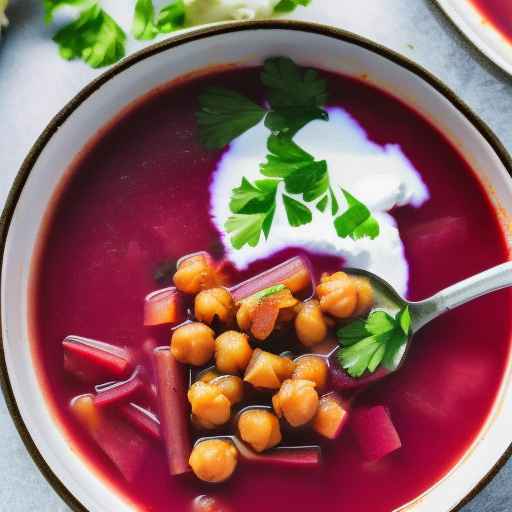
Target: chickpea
231 387
297 401
244 313
267 370
193 343
259 428
313 368
364 295
201 424
209 404
337 294
310 324
232 352
213 460
195 273
213 303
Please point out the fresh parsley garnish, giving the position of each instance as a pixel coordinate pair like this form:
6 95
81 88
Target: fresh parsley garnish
284 158
378 340
253 206
145 27
267 292
94 37
296 96
171 17
290 5
298 213
225 115
357 221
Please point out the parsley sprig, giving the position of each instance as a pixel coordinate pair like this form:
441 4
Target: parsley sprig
296 97
145 26
379 340
93 37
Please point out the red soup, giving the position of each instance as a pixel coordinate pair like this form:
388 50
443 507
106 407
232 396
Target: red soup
499 13
138 199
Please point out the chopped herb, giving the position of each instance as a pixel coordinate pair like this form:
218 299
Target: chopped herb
171 17
268 291
298 214
311 180
225 115
284 158
357 221
381 339
322 204
94 37
295 95
143 27
257 198
290 5
254 206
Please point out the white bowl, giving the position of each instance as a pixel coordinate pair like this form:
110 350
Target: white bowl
246 43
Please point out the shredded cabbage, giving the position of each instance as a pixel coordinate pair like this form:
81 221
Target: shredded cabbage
209 11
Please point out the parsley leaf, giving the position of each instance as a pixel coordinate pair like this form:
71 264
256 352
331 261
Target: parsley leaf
94 37
50 6
225 115
311 180
253 206
246 229
290 5
294 94
290 86
379 340
322 204
257 198
357 221
171 17
285 157
298 214
143 27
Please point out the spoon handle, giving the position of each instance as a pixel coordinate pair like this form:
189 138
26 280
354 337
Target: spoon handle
454 296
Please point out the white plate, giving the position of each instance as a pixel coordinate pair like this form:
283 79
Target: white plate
480 31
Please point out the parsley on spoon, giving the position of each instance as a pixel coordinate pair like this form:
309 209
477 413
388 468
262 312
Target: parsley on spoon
377 345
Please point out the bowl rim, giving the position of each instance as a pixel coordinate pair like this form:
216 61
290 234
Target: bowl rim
172 42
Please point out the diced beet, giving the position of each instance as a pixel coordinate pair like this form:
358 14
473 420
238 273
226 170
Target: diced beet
163 307
114 393
142 419
342 381
92 361
332 415
124 446
286 456
375 433
173 406
294 273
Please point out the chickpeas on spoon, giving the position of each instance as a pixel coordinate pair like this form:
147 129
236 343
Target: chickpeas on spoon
370 352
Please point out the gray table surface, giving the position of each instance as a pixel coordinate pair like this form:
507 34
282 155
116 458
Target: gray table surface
35 84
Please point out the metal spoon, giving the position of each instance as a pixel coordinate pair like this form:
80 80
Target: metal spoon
422 312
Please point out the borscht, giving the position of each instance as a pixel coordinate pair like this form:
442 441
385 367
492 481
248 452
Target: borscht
196 335
498 13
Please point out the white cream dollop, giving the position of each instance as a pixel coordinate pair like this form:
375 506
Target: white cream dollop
379 176
210 11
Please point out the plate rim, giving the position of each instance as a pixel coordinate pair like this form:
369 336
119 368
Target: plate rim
174 41
473 37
